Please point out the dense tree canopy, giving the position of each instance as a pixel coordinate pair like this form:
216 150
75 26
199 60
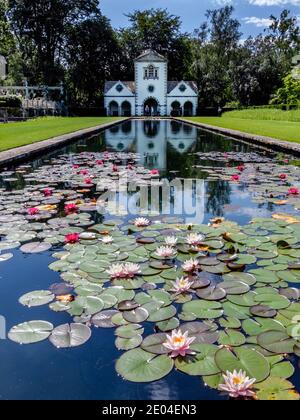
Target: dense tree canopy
48 41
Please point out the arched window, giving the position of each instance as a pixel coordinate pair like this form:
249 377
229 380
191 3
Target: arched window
151 72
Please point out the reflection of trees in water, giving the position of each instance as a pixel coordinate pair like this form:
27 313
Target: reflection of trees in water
182 162
126 127
211 142
218 195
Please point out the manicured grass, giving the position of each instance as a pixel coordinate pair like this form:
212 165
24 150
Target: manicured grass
23 133
282 130
265 114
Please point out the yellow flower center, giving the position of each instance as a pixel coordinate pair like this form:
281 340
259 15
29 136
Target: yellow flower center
178 340
237 381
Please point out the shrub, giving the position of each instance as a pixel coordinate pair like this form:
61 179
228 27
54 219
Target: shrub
10 101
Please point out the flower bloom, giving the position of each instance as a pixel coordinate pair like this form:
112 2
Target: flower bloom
107 239
190 266
171 241
283 177
179 344
71 208
237 384
181 285
115 168
141 222
47 192
130 167
72 238
293 191
235 178
165 252
84 172
33 211
124 271
154 172
241 168
75 166
194 239
99 162
88 181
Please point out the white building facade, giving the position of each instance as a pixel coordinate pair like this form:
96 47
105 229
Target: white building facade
151 94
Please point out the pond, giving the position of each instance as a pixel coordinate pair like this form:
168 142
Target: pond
181 179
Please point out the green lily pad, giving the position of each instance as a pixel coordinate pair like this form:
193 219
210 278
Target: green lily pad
276 342
37 298
30 332
203 309
202 363
277 389
70 335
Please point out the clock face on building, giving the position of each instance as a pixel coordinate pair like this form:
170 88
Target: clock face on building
151 88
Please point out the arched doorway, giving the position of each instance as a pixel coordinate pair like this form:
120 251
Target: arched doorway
114 109
188 109
151 107
126 109
176 110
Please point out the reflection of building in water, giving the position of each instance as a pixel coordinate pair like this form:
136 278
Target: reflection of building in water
150 139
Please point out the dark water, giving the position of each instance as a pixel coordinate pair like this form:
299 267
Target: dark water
41 371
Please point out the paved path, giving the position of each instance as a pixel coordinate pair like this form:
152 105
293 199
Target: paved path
29 151
280 145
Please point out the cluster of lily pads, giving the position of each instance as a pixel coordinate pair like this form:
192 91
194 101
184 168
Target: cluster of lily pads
221 301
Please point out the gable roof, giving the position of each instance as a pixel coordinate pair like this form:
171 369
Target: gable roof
173 84
109 85
151 56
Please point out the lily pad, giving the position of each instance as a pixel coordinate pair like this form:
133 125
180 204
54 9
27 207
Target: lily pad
70 335
30 332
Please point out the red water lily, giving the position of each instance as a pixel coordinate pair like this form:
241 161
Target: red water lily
283 177
75 166
293 191
99 162
47 192
235 177
84 172
72 238
33 211
71 208
115 168
241 168
155 172
129 167
88 181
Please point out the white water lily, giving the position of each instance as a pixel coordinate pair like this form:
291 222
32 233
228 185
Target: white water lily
181 285
107 239
124 271
190 266
171 241
238 384
141 222
165 252
178 344
194 239
132 269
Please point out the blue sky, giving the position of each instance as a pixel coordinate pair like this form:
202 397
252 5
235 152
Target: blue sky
253 14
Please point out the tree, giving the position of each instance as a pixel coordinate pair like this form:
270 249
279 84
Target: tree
289 94
41 26
159 30
7 42
92 54
215 46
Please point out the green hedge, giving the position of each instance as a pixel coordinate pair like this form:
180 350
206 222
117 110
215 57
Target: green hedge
10 101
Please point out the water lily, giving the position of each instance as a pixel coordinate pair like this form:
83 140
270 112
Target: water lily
155 172
194 239
123 271
71 208
84 172
238 384
130 167
181 285
171 241
141 222
179 344
283 177
72 238
33 211
47 192
190 266
107 239
235 178
88 181
115 168
165 252
99 162
293 191
241 168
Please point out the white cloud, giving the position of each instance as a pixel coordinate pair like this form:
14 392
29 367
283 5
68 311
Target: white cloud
274 2
259 22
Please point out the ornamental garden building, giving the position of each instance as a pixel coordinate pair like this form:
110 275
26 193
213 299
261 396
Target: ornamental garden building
151 94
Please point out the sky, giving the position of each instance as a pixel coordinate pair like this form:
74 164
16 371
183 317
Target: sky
253 14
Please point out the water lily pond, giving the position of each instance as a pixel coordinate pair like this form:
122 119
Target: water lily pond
154 261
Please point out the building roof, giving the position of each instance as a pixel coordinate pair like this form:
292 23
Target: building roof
109 85
151 56
172 85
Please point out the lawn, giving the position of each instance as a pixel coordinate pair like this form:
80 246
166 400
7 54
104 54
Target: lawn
260 123
23 133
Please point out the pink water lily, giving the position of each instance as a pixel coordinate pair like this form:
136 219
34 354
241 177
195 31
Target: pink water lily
181 285
171 241
47 192
107 240
190 266
241 168
72 238
165 252
71 208
33 211
99 162
141 222
293 191
178 344
283 177
155 172
84 172
88 181
124 271
235 178
238 384
194 239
